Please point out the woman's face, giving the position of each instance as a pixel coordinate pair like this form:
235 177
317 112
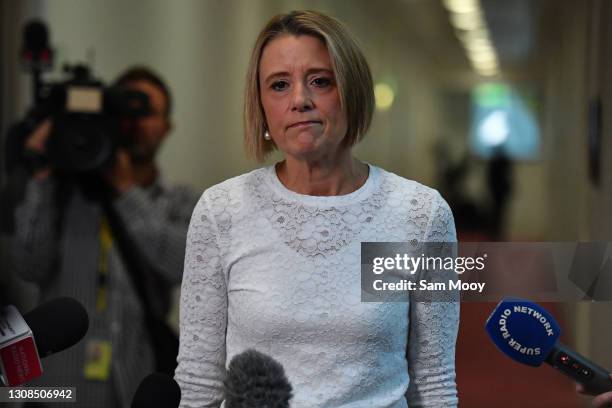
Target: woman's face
300 97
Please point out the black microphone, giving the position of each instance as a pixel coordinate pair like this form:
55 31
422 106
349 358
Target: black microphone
157 390
256 380
35 36
36 53
48 329
57 325
528 333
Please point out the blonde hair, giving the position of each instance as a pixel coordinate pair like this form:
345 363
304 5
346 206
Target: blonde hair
348 63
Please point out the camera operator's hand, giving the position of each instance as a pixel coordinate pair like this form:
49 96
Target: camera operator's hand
36 143
600 401
121 174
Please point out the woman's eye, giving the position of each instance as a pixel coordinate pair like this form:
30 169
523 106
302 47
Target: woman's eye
321 82
280 85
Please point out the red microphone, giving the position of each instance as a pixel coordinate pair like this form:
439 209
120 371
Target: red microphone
48 329
19 359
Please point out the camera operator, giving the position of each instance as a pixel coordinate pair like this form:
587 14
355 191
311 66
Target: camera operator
64 243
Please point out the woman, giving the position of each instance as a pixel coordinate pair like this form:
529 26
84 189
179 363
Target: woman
273 256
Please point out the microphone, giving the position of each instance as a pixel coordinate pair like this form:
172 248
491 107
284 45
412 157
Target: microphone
36 53
256 380
48 329
528 334
157 390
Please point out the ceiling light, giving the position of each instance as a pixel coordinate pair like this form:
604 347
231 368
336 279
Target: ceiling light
384 96
467 21
482 56
462 6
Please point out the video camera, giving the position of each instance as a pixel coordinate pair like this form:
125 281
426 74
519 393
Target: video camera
86 124
86 114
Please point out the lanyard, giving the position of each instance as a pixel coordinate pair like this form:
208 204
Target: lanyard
106 242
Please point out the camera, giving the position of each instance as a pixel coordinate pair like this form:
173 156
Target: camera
86 114
86 119
86 124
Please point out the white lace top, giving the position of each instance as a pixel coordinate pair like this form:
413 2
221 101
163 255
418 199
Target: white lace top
278 271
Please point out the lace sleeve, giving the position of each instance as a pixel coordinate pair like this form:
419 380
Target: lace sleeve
203 315
433 331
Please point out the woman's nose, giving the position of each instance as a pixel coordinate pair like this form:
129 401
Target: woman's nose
301 99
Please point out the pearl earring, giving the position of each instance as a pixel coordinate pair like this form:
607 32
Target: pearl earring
267 135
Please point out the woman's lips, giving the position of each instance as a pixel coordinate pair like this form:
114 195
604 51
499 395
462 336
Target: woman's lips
305 123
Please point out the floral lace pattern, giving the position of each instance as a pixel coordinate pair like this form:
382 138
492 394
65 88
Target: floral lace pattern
270 269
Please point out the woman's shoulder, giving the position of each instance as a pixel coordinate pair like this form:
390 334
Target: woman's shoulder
405 187
222 193
424 205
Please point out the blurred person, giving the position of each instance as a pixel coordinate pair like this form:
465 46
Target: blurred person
63 241
500 184
273 256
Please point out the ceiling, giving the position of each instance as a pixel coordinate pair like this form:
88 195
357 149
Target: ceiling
424 28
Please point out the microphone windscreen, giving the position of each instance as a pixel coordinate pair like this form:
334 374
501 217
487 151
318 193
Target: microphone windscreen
35 36
523 330
157 390
256 380
57 325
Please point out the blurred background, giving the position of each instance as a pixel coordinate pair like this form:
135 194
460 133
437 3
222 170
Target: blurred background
503 106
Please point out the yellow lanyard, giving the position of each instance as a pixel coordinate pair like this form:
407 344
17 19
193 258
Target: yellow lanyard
106 242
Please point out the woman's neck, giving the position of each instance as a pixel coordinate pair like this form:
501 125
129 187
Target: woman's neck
323 178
